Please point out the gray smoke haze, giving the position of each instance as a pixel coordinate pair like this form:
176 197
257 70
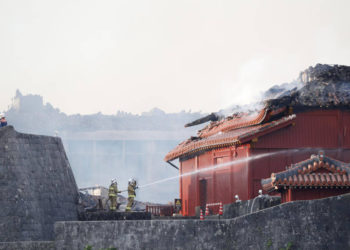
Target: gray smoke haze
274 92
101 147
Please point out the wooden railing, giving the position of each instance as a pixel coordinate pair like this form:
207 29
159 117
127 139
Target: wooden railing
160 210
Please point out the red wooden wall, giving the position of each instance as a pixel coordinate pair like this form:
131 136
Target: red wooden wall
310 194
327 130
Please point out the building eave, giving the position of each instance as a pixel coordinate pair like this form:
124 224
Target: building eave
225 140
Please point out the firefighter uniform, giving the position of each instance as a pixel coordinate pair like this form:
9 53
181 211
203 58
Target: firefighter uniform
112 195
131 195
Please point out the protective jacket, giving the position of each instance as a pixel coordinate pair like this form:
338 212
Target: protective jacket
113 190
131 196
131 191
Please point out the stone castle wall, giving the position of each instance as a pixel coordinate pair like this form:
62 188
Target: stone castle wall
37 186
316 224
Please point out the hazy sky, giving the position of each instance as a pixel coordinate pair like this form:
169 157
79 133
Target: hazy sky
89 56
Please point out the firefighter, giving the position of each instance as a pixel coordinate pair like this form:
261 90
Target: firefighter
113 195
131 194
3 121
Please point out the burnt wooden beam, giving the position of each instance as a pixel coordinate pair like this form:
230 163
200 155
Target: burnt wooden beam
211 117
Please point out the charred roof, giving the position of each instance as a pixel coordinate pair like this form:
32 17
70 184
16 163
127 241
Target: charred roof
321 86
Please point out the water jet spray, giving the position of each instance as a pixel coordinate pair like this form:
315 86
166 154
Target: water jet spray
231 163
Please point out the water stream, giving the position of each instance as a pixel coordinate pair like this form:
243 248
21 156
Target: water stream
231 163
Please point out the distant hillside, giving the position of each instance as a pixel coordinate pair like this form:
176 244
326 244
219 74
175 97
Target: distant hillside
29 114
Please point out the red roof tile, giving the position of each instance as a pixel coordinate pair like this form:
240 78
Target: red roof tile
227 138
317 172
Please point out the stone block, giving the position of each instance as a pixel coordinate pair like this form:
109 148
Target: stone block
31 176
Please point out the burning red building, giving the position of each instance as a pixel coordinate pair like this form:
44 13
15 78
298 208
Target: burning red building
287 129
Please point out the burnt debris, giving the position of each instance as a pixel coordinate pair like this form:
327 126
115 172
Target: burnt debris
322 86
212 117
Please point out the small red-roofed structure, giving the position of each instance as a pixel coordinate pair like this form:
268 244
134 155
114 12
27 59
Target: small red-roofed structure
318 177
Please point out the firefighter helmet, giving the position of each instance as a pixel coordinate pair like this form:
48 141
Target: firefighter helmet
132 181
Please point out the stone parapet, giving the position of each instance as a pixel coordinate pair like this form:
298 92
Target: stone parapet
108 215
316 224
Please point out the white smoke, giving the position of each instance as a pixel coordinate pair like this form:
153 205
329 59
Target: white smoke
253 86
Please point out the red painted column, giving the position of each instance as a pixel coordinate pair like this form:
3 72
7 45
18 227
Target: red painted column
181 193
250 173
214 178
196 166
232 156
290 196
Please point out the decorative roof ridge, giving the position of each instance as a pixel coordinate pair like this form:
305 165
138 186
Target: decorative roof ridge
307 167
315 164
233 123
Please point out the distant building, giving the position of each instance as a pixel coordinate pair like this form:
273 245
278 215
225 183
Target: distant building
286 130
95 191
315 178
